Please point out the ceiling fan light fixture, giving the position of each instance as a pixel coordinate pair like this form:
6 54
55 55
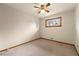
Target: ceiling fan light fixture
43 8
42 11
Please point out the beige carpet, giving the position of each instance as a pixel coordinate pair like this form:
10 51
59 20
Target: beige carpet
41 47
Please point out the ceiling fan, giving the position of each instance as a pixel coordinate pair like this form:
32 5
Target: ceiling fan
43 8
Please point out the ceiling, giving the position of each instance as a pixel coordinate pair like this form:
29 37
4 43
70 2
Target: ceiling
53 8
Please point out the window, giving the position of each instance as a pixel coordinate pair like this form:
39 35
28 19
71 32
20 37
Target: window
53 22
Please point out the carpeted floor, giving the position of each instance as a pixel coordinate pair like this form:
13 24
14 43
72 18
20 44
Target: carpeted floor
41 47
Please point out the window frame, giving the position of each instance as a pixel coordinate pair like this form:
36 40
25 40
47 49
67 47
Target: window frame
54 19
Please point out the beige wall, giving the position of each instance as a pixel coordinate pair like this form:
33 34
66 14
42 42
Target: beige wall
77 28
62 34
16 27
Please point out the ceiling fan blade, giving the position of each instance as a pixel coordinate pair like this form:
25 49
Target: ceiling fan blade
36 7
48 4
47 10
39 11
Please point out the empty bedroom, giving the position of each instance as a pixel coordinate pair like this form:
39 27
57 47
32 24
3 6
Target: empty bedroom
39 29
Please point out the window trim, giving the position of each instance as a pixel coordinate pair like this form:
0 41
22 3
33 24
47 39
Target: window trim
53 19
